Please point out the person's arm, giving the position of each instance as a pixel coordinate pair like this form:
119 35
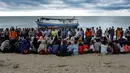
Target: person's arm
10 34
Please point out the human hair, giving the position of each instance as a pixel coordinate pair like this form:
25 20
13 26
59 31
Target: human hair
69 43
97 40
75 42
64 42
80 44
77 29
81 29
104 42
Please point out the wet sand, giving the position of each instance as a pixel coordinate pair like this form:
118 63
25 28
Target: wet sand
88 63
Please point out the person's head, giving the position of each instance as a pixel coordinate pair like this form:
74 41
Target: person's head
80 44
112 27
12 28
69 43
126 29
87 29
77 29
7 29
125 43
92 42
97 40
32 29
118 28
70 36
109 28
104 43
92 28
75 42
110 44
96 28
100 27
81 29
116 41
121 28
64 42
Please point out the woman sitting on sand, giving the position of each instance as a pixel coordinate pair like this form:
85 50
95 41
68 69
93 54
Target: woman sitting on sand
70 48
42 49
63 49
97 45
75 48
5 46
104 47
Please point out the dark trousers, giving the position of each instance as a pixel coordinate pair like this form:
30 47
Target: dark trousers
88 40
111 37
13 47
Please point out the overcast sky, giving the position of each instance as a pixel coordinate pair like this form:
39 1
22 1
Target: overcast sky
65 7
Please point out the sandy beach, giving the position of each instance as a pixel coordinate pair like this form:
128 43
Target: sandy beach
89 63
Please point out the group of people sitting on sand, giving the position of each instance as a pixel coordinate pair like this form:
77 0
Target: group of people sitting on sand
65 41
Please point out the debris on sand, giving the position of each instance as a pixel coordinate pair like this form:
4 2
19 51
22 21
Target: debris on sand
62 65
113 65
109 63
1 63
16 66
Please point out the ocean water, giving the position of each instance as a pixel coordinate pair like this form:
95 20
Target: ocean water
84 21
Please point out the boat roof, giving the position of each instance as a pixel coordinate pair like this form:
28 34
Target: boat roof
43 18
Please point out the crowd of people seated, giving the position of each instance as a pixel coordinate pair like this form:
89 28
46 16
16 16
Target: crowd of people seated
65 41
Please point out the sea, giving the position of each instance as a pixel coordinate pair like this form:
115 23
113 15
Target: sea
84 21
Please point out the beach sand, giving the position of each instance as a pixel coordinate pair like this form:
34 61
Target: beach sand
88 63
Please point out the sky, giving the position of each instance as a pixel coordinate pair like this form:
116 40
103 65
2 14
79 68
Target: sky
64 7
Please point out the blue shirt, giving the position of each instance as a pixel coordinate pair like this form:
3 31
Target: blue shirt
70 48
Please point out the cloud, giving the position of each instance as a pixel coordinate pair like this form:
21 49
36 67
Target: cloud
91 7
66 12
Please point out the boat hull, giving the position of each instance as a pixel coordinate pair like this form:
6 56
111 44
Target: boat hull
57 25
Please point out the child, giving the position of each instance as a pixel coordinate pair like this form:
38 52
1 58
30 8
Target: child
5 46
49 49
63 49
103 49
116 49
43 47
97 45
24 46
70 49
86 48
91 49
75 48
56 45
126 48
110 48
81 48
